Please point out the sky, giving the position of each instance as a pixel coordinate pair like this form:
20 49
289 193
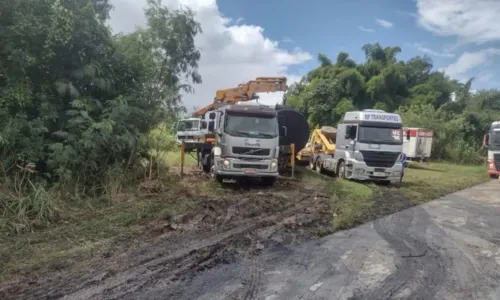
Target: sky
245 39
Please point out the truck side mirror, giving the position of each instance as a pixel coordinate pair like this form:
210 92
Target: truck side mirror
203 125
211 116
486 139
408 134
211 126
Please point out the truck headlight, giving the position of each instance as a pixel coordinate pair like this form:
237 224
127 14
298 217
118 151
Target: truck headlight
358 156
273 165
226 163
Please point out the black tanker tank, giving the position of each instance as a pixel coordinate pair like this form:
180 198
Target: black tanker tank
297 128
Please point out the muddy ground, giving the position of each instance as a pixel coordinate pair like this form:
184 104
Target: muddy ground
239 224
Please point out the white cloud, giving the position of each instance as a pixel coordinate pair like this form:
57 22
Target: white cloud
365 29
468 61
384 23
232 52
472 21
426 50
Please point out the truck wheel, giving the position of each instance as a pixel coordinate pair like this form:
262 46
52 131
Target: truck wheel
341 169
268 181
215 176
311 164
494 176
319 166
204 167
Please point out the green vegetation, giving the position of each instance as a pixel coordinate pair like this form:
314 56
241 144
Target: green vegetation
420 95
78 104
354 203
86 123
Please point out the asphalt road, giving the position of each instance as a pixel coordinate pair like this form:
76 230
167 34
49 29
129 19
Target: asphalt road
446 249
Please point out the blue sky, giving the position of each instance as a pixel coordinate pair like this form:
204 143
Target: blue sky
333 26
245 39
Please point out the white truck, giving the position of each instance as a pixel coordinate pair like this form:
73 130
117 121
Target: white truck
417 143
492 142
368 146
189 130
240 141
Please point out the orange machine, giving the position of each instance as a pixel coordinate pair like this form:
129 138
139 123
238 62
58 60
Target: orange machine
245 92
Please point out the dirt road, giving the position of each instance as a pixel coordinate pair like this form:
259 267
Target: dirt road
256 244
446 249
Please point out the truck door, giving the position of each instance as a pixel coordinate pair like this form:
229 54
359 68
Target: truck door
351 133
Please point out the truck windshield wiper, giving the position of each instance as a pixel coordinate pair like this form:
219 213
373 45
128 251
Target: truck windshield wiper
267 134
235 132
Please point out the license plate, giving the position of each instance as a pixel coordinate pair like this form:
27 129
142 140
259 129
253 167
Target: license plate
379 174
250 171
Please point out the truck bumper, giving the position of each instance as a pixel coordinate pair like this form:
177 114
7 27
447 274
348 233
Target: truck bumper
234 167
360 171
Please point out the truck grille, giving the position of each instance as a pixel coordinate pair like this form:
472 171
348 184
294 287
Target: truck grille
251 151
184 137
250 166
496 158
380 159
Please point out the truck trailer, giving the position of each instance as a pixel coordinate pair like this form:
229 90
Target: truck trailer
368 146
417 143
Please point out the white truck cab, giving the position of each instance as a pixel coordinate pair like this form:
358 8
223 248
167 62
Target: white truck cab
189 130
368 147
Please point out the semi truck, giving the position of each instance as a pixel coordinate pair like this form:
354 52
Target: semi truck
492 143
246 143
240 139
367 145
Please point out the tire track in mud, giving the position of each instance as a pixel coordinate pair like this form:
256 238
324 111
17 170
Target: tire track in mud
237 228
419 267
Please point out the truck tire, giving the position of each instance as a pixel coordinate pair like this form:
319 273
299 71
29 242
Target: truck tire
318 166
205 167
268 181
216 177
341 169
494 176
312 165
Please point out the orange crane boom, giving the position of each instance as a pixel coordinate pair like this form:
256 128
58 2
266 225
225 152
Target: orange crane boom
245 92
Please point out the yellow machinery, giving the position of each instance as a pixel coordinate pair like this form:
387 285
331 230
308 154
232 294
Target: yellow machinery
322 141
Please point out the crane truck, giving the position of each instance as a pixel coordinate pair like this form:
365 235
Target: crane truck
242 140
366 146
491 142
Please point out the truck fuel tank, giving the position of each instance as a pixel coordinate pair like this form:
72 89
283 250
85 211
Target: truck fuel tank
297 128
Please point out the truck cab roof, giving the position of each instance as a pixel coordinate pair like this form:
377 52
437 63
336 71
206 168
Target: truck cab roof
371 115
251 109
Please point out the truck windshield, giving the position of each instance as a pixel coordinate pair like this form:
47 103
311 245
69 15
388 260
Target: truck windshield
188 125
380 135
494 138
251 126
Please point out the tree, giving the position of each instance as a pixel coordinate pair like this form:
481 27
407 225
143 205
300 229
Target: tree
410 87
